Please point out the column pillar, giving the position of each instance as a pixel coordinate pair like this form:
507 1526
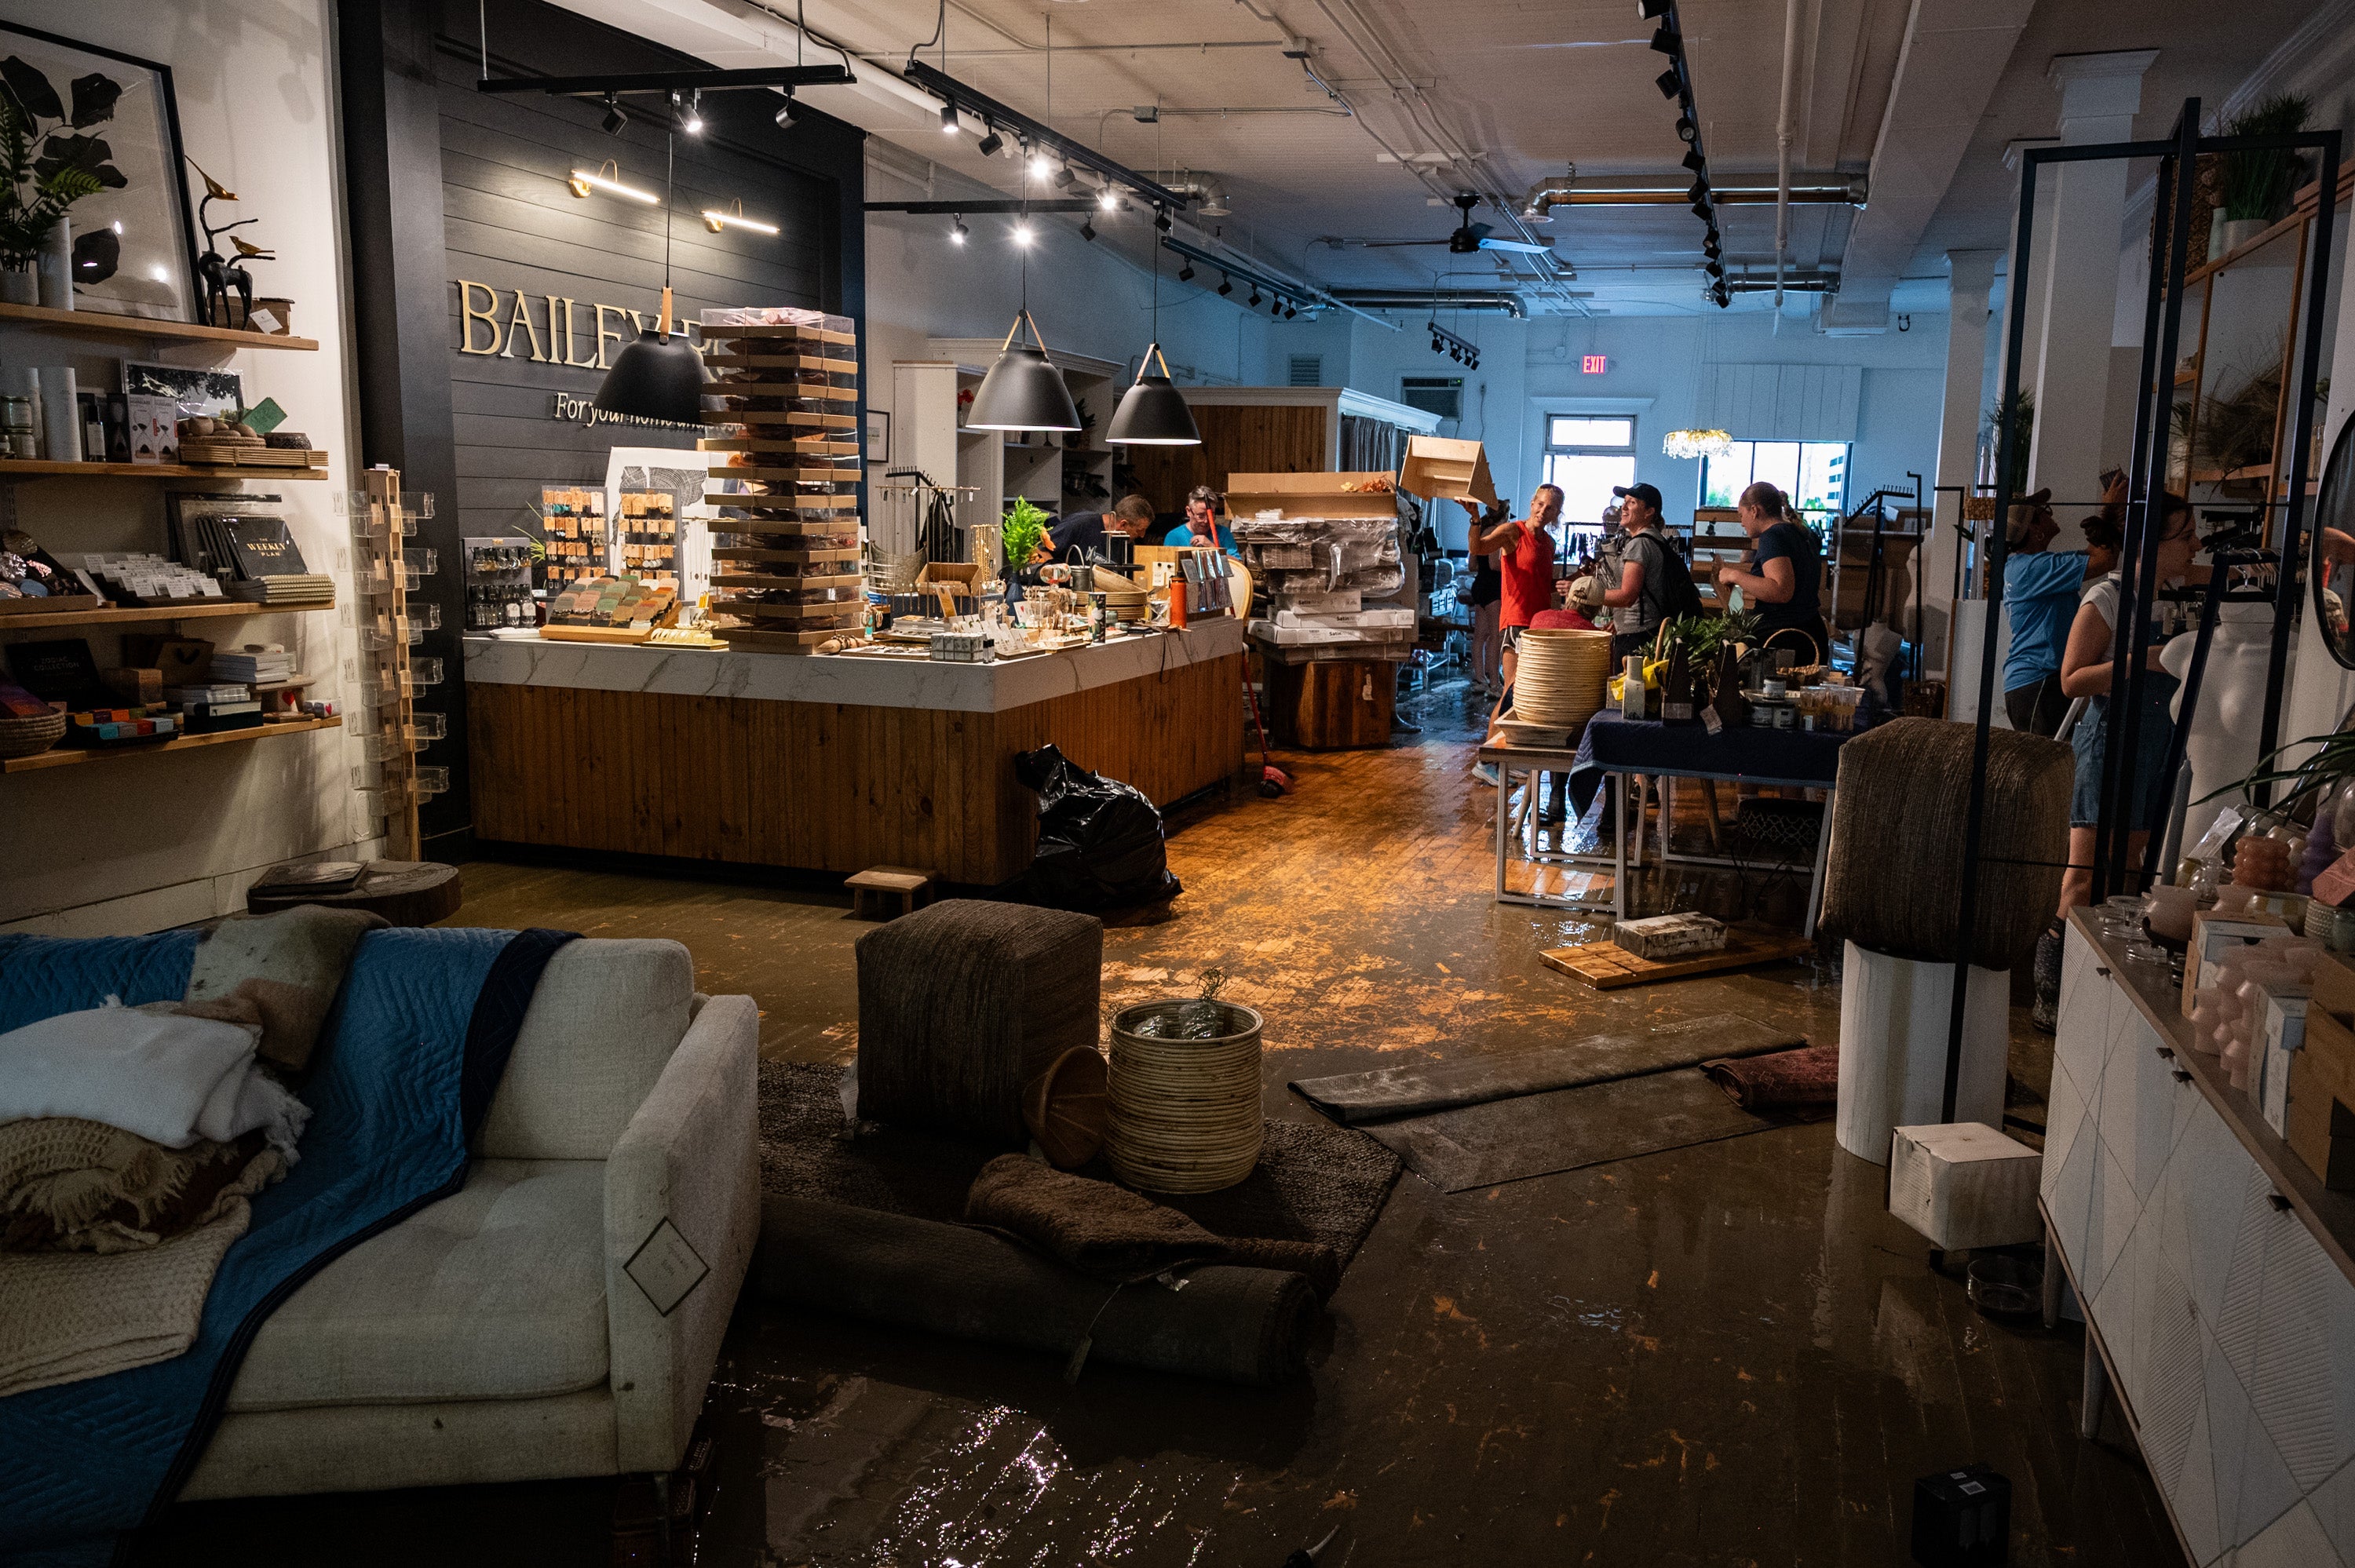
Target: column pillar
2074 280
1970 275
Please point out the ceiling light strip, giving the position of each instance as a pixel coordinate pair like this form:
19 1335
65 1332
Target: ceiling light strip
989 112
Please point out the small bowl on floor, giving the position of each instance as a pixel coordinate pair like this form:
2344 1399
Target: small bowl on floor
2005 1284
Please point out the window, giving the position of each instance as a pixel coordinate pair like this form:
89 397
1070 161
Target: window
1440 395
1813 474
1307 370
1586 456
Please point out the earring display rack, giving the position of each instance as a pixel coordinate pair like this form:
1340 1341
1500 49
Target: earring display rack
385 568
786 542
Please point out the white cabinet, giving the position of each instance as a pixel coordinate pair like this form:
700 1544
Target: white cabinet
2231 1332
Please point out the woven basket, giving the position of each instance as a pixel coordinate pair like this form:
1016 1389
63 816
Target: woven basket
1560 676
1185 1112
31 736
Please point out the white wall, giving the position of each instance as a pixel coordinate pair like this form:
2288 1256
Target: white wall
138 845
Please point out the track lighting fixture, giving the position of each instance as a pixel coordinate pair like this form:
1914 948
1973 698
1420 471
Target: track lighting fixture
1226 284
1685 130
1667 40
1276 308
1186 273
788 112
949 126
1108 199
1652 10
957 230
1039 167
1161 219
1701 208
991 142
1694 160
1290 311
1088 229
1669 82
1064 178
1710 247
1254 295
691 120
1022 235
1698 191
615 118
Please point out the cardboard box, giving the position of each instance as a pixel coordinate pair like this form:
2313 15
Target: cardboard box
2279 1035
2213 936
2321 1118
1311 494
1965 1185
1439 469
1669 936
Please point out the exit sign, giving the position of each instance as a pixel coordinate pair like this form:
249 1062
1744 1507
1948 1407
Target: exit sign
1594 363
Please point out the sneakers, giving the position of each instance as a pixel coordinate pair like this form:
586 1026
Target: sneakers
1485 773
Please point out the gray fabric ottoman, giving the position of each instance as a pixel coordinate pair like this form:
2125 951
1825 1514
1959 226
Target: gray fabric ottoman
962 1003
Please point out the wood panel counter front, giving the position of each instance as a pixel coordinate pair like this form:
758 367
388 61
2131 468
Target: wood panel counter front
830 764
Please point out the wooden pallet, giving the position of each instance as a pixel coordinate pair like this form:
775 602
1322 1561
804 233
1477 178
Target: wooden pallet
1607 966
820 446
761 641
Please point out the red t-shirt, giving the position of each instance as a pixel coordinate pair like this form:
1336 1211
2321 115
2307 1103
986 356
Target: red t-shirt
1527 567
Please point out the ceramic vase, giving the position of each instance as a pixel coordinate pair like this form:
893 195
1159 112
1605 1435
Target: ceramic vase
56 268
19 286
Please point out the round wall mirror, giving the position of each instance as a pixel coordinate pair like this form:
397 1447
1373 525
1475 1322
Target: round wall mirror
2332 564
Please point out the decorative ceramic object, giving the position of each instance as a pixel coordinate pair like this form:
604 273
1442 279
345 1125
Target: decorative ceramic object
55 269
19 286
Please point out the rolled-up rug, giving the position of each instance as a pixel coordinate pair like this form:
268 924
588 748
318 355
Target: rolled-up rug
1237 1325
1783 1080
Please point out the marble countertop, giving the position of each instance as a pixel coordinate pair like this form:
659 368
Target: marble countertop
856 682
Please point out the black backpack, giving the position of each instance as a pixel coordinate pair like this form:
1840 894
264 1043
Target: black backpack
1676 597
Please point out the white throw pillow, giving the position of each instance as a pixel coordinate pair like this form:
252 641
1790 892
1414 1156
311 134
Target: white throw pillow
163 1076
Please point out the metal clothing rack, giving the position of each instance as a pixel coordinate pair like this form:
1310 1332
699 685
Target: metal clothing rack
920 517
2179 157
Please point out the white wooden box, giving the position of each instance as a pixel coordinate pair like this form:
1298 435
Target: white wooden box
1965 1185
1669 936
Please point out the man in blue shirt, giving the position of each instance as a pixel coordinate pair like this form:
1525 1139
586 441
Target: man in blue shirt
1202 505
2039 594
1131 515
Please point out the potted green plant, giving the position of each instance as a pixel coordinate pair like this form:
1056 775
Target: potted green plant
46 170
1025 533
2256 188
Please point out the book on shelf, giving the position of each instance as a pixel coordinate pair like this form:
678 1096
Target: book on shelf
285 588
253 668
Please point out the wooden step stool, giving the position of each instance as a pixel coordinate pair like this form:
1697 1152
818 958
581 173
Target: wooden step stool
871 891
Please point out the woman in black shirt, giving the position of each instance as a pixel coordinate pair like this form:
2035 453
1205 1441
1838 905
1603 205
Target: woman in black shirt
1783 581
1484 656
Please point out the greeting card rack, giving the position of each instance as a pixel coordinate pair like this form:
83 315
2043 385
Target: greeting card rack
385 570
785 544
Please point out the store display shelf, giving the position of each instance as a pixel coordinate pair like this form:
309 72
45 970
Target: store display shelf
68 756
2330 1215
99 324
28 468
133 615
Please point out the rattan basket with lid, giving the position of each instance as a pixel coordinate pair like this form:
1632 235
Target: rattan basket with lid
1185 1112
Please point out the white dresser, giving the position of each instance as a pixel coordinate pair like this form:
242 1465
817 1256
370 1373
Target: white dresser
2215 1271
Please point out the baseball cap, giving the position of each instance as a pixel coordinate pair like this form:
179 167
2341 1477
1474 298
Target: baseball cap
1649 495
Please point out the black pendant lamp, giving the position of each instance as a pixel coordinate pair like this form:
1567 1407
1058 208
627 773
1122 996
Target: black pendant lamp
1023 391
1152 413
658 377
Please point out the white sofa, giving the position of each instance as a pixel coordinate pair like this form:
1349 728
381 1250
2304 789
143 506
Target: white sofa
498 1335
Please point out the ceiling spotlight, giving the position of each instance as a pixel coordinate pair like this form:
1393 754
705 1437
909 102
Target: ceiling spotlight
1088 229
1063 177
991 142
1108 199
1161 219
1701 208
958 231
949 126
1039 167
1711 248
1669 82
1652 10
692 121
1667 40
1226 284
615 118
1022 235
1186 273
790 111
1685 130
1276 309
1254 297
1698 191
1694 160
1290 311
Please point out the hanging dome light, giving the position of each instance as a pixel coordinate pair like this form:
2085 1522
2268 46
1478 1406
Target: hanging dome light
1152 412
658 377
1697 443
1023 391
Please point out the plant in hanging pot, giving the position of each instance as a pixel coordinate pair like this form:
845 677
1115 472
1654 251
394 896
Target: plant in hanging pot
45 171
2257 188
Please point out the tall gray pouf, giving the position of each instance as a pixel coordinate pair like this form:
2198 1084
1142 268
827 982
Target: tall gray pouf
963 1003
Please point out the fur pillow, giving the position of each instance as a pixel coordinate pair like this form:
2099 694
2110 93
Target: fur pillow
279 971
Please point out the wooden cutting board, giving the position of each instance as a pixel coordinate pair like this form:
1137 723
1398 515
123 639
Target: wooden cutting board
1607 966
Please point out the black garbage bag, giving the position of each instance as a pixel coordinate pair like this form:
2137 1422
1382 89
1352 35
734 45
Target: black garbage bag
1099 840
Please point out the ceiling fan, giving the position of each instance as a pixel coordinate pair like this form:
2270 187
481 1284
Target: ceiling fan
1470 239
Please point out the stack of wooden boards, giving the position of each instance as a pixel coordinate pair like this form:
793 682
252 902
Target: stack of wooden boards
786 543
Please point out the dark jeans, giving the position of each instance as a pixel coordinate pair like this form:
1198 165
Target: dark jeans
1625 644
2037 708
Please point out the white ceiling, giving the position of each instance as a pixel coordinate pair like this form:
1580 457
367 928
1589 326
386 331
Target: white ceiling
1490 95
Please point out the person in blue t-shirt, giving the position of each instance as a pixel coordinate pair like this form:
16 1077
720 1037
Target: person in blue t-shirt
2040 586
1202 505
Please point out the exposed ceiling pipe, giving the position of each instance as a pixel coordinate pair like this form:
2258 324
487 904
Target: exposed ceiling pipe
1425 300
1665 190
1782 152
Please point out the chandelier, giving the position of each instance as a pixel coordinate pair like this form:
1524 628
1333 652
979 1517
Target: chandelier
1697 443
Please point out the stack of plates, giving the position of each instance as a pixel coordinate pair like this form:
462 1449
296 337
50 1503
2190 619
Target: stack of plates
1561 677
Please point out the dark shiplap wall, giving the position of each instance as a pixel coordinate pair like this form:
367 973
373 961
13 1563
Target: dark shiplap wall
510 222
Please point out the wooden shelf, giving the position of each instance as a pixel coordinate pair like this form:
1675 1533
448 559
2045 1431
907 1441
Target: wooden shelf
70 756
131 615
2330 1215
27 468
102 323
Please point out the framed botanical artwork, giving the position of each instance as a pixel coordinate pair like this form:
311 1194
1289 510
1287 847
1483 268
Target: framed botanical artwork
878 436
66 106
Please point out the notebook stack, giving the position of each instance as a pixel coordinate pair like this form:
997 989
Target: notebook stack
252 666
286 590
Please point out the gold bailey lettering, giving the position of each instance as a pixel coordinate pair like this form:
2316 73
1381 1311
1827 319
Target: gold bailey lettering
547 329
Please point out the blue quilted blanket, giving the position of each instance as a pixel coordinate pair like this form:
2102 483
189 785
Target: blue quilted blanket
411 1058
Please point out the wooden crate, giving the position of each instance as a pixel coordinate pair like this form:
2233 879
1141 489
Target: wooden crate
1440 468
1310 494
1606 966
1339 705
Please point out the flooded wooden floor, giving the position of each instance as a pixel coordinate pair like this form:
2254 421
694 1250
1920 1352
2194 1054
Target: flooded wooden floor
1721 1355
